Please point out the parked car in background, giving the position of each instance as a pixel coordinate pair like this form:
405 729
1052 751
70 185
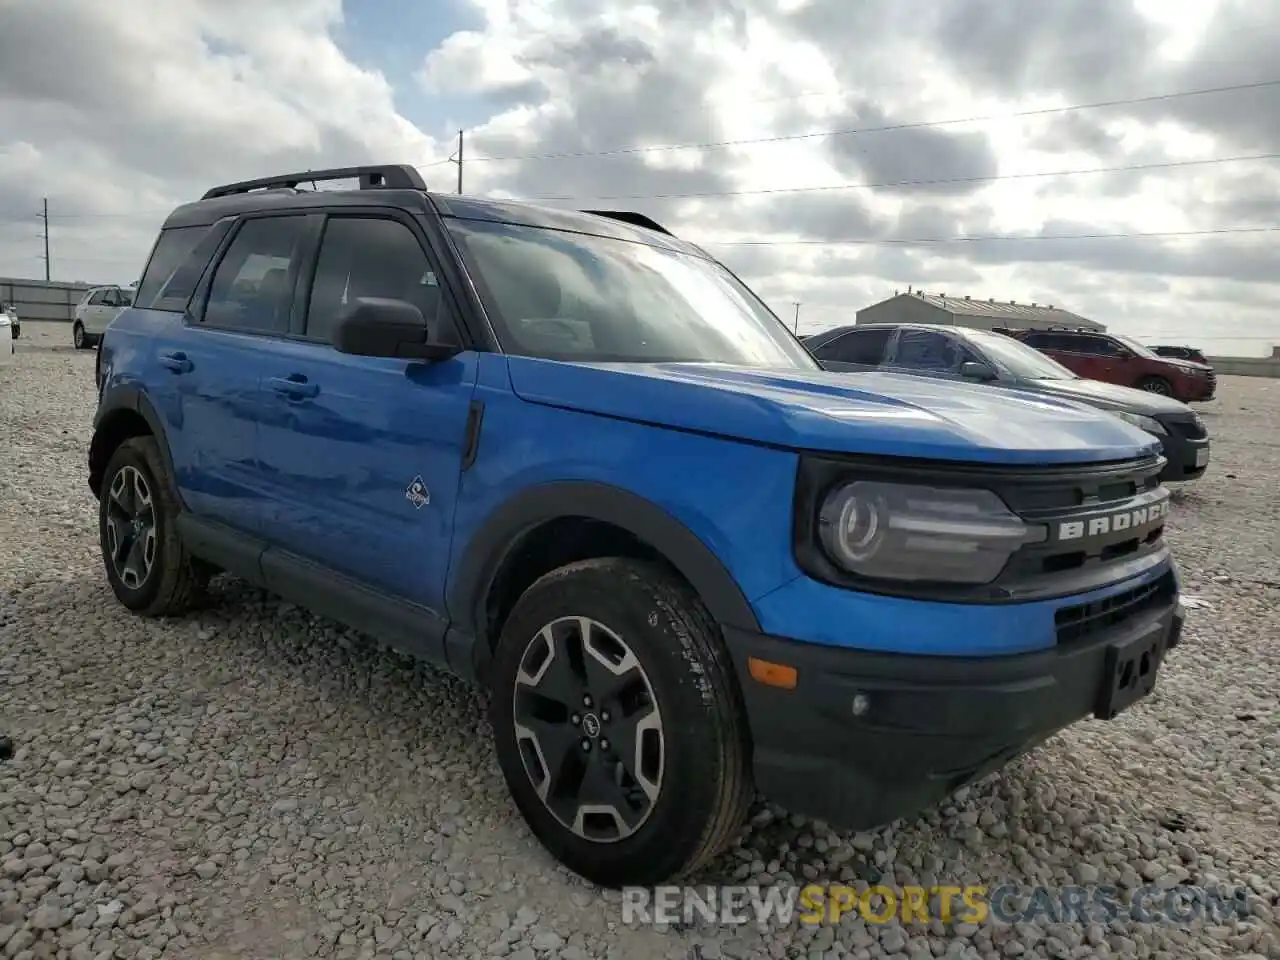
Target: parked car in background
1181 353
512 441
15 328
97 308
961 353
1112 358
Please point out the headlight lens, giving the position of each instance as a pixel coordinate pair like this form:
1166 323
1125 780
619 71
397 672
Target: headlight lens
913 533
1148 424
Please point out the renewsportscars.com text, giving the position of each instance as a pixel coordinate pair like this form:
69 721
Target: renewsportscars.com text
969 904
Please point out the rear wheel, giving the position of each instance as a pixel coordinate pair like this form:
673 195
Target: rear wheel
1156 385
149 569
79 337
618 723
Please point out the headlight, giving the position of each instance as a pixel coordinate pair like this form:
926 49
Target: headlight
1148 424
894 532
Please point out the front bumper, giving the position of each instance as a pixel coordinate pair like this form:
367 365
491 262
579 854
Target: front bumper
1188 458
1198 389
930 724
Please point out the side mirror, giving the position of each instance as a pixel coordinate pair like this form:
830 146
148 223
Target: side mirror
376 327
972 370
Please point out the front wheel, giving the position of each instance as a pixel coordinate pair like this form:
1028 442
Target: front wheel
1156 385
618 723
79 337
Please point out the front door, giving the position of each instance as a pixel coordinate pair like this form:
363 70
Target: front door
362 456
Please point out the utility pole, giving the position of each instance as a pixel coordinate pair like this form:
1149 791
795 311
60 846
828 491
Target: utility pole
796 329
45 217
457 158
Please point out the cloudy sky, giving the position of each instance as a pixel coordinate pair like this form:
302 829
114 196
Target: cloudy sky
830 151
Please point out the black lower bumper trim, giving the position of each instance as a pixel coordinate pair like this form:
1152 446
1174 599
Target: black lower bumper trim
924 726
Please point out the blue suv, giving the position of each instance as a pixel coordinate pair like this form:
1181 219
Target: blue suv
572 457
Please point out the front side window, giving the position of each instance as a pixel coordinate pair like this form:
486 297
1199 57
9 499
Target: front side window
373 257
927 350
571 296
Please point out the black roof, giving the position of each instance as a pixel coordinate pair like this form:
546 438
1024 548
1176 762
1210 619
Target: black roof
397 186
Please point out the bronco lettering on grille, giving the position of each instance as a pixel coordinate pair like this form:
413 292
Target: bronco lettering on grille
1114 522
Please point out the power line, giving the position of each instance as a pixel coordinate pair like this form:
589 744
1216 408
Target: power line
922 241
1161 165
824 188
914 125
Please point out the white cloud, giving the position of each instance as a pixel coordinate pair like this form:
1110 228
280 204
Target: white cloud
217 90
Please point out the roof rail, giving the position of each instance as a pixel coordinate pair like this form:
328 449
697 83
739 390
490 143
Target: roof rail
636 219
396 176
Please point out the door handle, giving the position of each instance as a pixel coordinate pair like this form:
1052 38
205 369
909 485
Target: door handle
177 362
294 386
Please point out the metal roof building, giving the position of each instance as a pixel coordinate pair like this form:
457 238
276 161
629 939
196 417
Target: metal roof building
917 307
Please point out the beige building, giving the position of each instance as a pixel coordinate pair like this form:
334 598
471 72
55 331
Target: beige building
915 306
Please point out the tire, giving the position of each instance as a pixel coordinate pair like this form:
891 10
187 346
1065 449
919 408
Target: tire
1156 385
79 337
686 806
171 581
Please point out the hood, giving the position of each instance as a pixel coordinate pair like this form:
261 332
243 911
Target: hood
1109 396
877 413
1185 364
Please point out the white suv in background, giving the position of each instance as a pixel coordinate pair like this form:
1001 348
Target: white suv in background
95 311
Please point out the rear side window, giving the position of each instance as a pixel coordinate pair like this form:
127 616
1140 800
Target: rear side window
858 346
252 287
172 249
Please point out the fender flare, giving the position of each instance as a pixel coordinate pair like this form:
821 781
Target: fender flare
491 546
128 399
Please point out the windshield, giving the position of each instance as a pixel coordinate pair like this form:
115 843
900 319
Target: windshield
571 296
1017 358
1138 348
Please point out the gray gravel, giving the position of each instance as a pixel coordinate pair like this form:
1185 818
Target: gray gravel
256 782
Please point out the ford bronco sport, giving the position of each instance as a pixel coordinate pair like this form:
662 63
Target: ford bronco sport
574 458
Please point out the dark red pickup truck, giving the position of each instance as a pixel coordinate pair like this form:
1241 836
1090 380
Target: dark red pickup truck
1121 360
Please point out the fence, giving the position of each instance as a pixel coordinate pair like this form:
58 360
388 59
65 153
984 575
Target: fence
41 299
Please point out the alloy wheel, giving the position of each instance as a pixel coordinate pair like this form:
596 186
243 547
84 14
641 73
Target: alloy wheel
77 336
589 729
131 527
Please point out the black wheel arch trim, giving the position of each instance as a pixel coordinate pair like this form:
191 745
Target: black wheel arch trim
505 527
130 399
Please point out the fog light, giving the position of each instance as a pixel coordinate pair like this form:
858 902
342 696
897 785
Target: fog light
860 704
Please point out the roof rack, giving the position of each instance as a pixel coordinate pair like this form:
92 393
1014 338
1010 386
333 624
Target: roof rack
636 219
397 176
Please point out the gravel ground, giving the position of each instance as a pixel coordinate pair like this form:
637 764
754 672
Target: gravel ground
256 782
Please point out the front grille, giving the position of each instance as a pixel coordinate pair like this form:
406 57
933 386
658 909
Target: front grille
1085 620
1095 518
1187 429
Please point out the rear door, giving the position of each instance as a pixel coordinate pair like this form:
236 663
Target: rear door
362 456
857 350
211 362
